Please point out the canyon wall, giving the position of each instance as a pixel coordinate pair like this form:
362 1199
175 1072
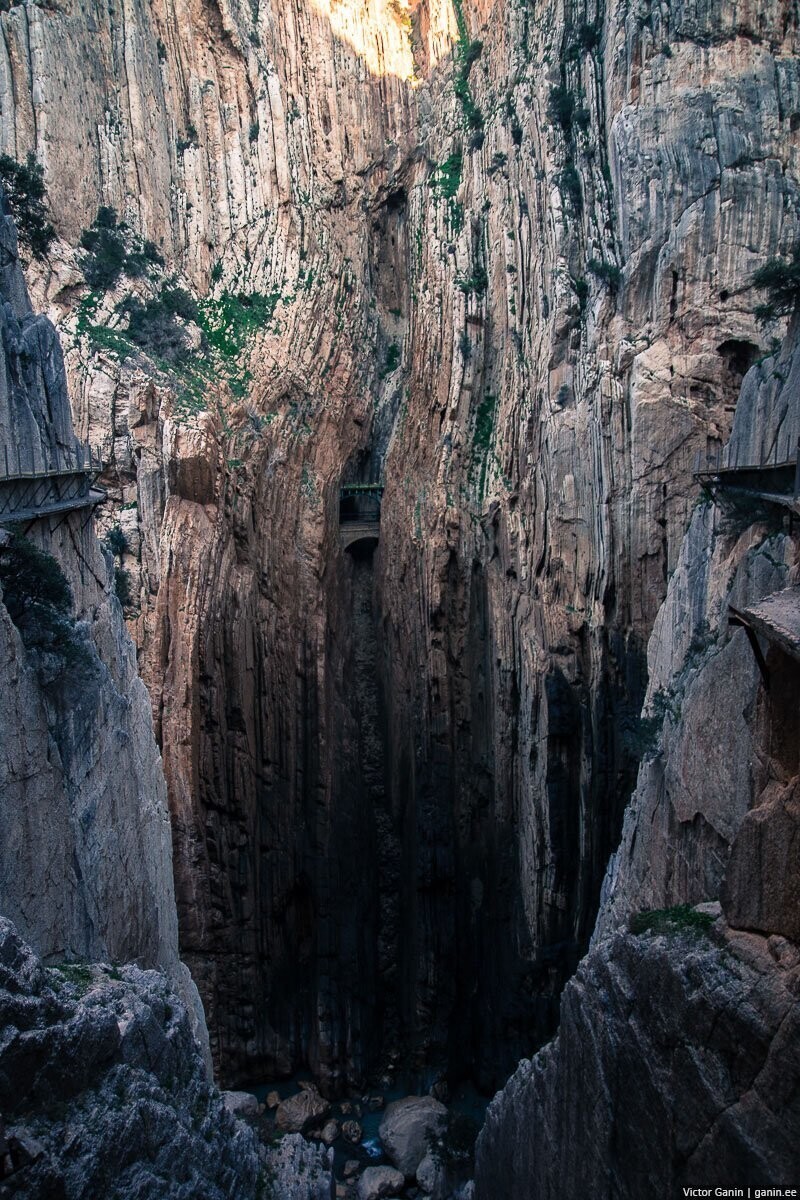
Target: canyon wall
85 857
499 257
690 1015
104 1091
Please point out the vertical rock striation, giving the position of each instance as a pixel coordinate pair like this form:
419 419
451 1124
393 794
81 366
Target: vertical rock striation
698 1033
85 857
689 1020
505 251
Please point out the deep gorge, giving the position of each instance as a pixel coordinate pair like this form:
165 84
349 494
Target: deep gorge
499 259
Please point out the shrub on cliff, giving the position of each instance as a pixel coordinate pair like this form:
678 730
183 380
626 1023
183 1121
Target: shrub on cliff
781 281
26 195
153 326
112 248
682 918
39 602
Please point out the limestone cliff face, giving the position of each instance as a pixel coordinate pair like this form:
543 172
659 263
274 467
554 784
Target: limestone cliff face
104 1091
85 857
691 1021
699 1032
511 280
723 744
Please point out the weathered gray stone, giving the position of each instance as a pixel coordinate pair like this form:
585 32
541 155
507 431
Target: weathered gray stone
406 1128
604 350
104 1091
378 1182
329 1132
86 856
241 1104
761 890
703 1038
718 745
431 1176
302 1111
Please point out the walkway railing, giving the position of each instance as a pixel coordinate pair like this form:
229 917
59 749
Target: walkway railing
360 513
775 479
30 490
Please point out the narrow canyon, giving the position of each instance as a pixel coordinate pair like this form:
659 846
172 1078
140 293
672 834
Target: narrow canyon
399 598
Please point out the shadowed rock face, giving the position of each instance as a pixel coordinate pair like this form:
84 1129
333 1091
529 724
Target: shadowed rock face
698 1033
85 854
104 1091
692 1026
409 856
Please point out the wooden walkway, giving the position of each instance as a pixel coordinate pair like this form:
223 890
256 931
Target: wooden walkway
771 482
776 618
360 514
28 493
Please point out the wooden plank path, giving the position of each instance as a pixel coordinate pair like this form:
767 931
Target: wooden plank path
776 618
360 513
773 482
29 492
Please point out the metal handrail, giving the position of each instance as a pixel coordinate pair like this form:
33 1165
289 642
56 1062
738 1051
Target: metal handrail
718 468
81 460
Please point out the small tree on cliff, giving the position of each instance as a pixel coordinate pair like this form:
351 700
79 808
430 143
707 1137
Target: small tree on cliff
781 281
26 196
38 600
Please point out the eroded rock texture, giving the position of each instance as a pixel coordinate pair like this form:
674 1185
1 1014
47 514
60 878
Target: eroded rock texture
85 853
104 1091
676 1065
721 743
526 319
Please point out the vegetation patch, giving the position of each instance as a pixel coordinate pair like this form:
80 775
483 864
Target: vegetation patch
230 321
609 273
154 325
642 734
474 284
112 249
561 106
392 360
468 52
26 196
581 40
781 281
116 541
78 975
570 184
122 586
447 178
682 918
39 602
482 435
158 327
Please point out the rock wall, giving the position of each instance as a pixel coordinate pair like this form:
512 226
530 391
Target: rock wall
699 1032
685 1022
85 857
509 278
104 1092
721 743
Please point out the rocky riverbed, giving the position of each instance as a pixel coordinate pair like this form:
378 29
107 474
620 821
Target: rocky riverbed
383 1143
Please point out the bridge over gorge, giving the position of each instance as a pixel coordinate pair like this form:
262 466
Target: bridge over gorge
360 514
774 480
30 490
